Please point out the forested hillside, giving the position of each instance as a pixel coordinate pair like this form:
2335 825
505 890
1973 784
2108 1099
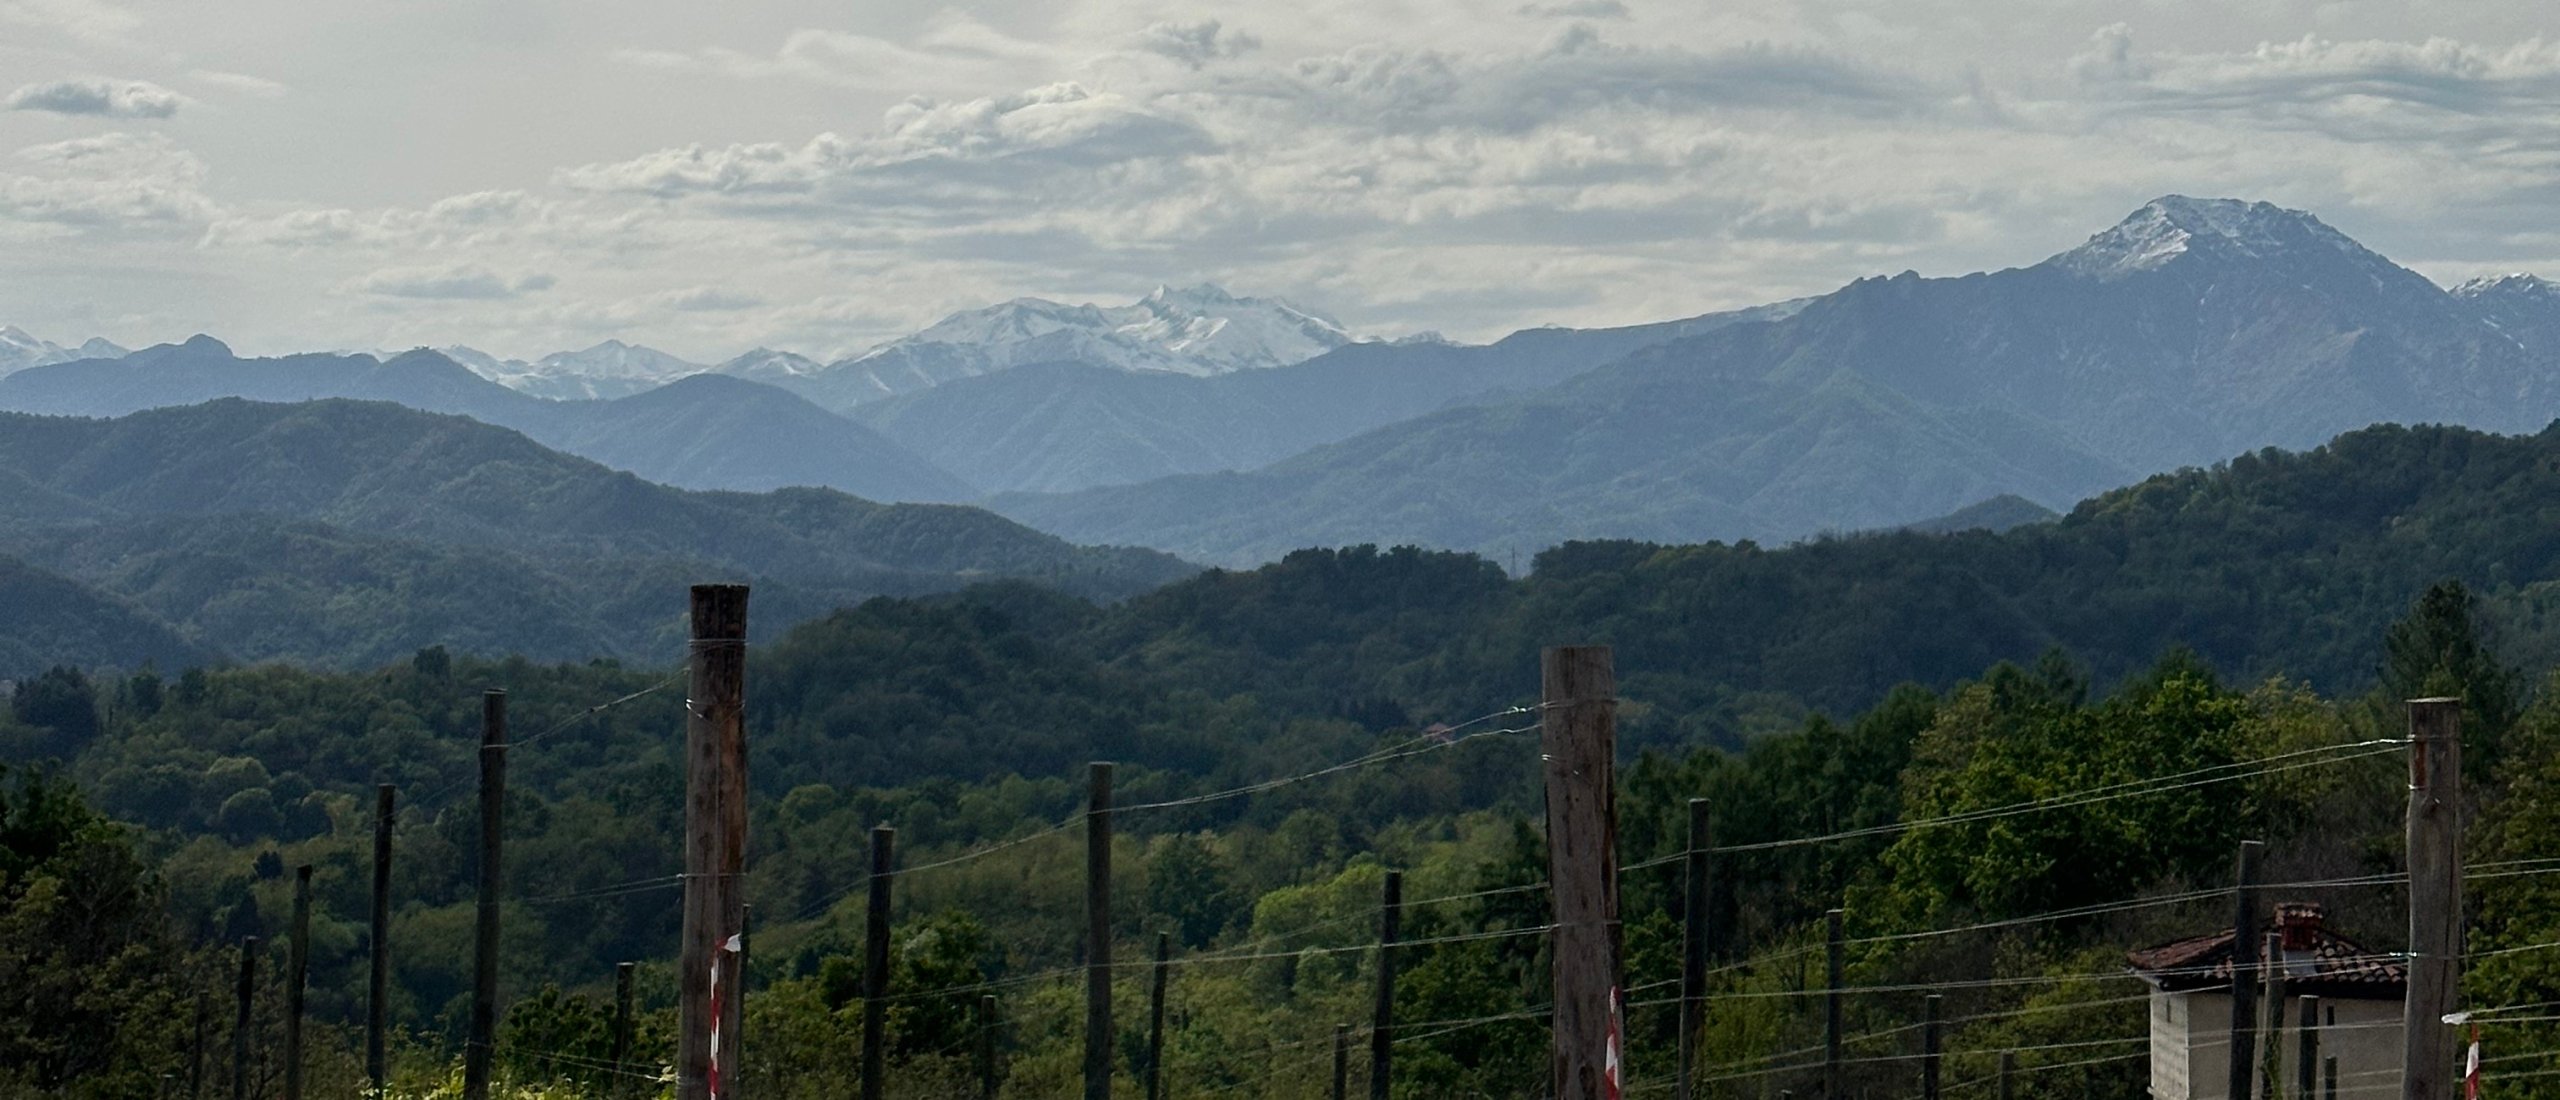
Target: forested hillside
2249 625
351 533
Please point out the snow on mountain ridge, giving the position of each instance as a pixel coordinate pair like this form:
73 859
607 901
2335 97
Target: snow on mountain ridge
2518 284
2172 226
1200 330
20 349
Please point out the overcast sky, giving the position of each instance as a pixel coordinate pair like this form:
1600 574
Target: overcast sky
531 175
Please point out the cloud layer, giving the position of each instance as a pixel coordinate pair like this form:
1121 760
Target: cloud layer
105 98
1471 166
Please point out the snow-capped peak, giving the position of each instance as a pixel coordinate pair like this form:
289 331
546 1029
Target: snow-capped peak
2519 285
607 370
1199 330
20 349
770 363
2172 226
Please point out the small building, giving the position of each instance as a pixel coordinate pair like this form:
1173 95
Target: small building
2360 995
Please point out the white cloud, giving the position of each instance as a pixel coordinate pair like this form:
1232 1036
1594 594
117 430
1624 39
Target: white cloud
1196 43
114 182
706 299
106 98
956 50
241 82
95 20
1577 9
461 283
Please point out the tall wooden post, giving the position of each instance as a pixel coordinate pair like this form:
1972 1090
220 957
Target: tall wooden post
1341 1062
987 1046
1835 965
2008 1075
1097 932
297 976
246 1022
714 742
195 1050
2244 974
1382 1011
2307 1059
377 1008
484 950
1929 1043
1155 1016
622 1029
1693 948
2428 1044
2271 1025
1578 733
875 964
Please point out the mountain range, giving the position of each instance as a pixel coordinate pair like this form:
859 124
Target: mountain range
349 532
1231 430
19 350
704 432
2193 330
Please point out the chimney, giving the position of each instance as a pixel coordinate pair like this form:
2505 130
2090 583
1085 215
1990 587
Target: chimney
2298 925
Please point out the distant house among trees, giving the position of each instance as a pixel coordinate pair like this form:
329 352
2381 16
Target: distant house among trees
2359 991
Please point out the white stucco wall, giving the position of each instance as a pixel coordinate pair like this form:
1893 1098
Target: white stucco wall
2191 1055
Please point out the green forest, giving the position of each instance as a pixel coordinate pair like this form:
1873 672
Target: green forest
2224 649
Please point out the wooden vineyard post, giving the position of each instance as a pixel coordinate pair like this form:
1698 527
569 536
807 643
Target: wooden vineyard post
1097 922
484 950
377 1008
2428 1043
1578 734
714 835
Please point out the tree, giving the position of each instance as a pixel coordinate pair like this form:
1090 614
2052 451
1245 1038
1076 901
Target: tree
2439 649
63 701
91 973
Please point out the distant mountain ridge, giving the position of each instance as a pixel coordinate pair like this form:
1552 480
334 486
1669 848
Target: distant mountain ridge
1197 331
1060 427
20 350
2190 331
353 532
702 432
608 370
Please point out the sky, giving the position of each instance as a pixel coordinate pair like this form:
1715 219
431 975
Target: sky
526 176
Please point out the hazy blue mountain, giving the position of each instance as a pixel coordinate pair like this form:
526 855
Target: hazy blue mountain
348 531
1058 427
705 432
2193 330
2006 512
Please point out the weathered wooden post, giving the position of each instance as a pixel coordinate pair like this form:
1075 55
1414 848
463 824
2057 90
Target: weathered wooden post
875 965
622 973
2244 974
377 1007
484 950
715 740
1578 734
1929 1042
2428 1044
1382 1011
297 976
1097 923
1155 1017
246 1022
1693 947
1835 967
